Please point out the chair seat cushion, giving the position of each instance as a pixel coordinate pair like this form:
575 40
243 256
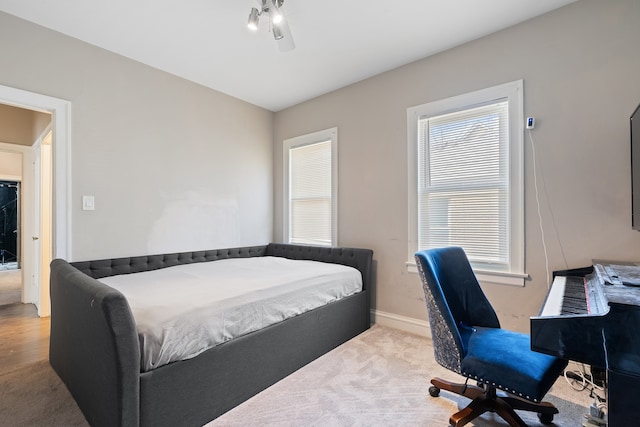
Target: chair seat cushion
504 360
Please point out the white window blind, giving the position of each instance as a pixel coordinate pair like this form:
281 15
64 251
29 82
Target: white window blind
310 194
463 187
310 191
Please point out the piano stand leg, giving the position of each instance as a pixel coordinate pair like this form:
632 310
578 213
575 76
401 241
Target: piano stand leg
487 398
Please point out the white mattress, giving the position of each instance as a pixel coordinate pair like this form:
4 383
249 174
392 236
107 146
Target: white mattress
184 310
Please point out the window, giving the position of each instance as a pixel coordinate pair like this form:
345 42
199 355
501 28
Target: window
465 179
310 193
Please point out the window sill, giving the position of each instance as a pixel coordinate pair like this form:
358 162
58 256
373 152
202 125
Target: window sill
484 276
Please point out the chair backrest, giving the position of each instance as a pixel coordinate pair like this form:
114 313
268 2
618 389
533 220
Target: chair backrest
454 300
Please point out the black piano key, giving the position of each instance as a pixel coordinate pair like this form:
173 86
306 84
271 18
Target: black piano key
575 298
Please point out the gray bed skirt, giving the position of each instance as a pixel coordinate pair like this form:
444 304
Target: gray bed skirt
94 345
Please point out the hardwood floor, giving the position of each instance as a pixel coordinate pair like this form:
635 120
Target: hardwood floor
24 337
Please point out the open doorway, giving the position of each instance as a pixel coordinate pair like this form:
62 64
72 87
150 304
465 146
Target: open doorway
10 270
11 168
25 205
23 133
35 284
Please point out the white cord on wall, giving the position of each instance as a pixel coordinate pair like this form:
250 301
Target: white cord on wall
535 183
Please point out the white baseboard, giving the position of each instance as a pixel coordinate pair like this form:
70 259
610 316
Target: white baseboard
407 324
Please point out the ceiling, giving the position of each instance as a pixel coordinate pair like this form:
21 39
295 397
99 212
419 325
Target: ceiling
337 44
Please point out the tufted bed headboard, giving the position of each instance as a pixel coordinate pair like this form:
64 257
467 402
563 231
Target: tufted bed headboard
111 267
359 259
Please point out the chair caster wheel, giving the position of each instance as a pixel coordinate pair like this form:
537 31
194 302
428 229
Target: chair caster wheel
545 418
434 391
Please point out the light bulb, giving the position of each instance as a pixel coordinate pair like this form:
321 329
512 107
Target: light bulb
254 16
274 11
277 33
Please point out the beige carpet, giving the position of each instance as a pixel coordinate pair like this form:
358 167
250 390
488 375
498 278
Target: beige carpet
379 378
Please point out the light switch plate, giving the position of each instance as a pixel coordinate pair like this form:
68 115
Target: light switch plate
88 203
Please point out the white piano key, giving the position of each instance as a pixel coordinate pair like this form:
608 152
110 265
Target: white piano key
553 304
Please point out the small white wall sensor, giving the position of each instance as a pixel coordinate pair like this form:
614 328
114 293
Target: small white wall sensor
531 122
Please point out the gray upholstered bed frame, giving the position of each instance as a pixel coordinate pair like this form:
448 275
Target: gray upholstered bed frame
94 343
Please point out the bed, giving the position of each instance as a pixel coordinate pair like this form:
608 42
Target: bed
95 344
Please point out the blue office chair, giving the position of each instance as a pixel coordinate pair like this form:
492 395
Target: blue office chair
468 340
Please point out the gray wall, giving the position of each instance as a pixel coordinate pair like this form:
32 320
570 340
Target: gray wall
172 165
581 71
176 166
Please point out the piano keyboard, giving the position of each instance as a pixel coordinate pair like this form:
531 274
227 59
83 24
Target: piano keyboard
575 297
572 295
567 296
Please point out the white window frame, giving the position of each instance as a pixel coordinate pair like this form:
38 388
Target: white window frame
514 273
309 139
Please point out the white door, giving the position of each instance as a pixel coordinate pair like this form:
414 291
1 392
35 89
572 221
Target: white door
35 256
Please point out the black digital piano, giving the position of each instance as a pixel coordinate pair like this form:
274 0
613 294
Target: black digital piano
592 315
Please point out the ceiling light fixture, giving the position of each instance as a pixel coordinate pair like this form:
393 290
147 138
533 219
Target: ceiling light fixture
277 22
254 18
277 33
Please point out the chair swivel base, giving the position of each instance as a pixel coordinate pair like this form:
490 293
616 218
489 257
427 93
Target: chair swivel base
487 398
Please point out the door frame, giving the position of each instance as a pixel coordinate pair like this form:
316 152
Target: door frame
60 111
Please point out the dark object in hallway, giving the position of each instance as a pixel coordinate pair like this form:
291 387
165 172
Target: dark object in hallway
9 196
